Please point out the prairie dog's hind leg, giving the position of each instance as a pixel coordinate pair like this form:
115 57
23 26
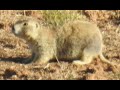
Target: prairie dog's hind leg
86 58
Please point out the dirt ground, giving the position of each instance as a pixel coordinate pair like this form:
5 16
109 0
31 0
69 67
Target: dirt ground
13 50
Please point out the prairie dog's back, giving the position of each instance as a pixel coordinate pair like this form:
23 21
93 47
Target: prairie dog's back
80 29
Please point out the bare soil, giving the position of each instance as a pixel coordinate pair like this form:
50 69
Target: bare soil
14 50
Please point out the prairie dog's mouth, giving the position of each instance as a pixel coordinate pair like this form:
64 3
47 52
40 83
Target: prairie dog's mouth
16 32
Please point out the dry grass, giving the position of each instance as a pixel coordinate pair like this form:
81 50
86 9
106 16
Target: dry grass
12 48
57 18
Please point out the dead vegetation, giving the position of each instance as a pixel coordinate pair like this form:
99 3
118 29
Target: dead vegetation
13 49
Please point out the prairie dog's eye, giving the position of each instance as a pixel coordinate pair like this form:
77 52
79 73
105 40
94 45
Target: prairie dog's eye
25 24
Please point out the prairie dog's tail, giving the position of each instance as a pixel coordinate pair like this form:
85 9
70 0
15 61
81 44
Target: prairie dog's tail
105 60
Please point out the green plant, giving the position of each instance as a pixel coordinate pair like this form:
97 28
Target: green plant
57 18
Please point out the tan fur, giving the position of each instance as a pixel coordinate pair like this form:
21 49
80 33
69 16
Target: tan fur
76 40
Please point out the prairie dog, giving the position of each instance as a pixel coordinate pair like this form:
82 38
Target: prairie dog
80 41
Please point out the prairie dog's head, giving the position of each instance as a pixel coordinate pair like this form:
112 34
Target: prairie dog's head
26 28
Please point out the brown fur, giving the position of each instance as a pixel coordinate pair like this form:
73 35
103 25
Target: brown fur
76 40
